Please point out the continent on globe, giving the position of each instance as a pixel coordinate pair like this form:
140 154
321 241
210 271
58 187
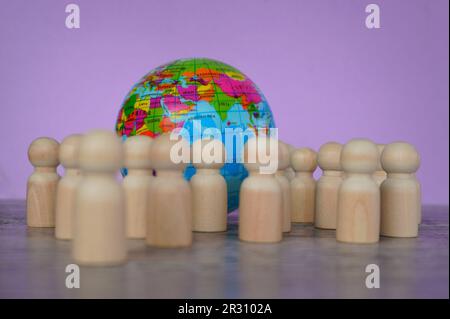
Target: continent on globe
215 94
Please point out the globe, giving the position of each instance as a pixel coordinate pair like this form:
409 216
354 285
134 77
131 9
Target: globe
193 93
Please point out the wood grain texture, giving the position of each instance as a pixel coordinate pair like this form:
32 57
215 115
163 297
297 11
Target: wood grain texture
400 192
358 210
43 182
303 185
219 260
41 194
399 207
358 215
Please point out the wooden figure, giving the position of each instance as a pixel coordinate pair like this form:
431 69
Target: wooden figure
400 192
261 198
280 176
67 186
209 188
99 232
169 215
379 175
42 184
290 172
303 186
327 186
136 184
358 218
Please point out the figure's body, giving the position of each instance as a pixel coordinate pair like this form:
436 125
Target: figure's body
209 188
67 187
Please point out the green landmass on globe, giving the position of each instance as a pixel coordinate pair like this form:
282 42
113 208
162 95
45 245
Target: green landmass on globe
176 94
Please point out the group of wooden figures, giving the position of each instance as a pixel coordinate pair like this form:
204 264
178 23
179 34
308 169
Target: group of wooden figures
366 190
91 207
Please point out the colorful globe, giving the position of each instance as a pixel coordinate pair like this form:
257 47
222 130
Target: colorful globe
188 92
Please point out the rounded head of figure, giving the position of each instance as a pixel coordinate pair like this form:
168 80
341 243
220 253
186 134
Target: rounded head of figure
304 160
329 156
284 159
359 156
208 153
43 152
100 151
137 151
261 153
400 157
170 152
69 151
291 148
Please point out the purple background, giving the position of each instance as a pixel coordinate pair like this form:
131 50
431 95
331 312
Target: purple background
326 76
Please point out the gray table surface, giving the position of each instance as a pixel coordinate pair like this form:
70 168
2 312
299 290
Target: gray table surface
308 263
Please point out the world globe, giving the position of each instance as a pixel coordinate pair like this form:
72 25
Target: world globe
197 92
